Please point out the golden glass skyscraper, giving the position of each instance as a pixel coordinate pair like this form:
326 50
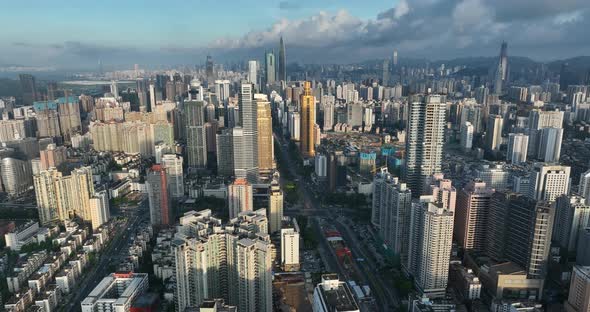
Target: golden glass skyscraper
307 121
265 139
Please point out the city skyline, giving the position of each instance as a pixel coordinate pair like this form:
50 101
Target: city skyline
337 32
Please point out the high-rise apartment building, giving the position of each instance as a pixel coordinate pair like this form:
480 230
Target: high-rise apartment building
471 216
64 197
467 135
424 141
578 299
174 174
100 208
275 205
230 261
431 237
584 186
307 121
196 145
159 197
571 215
239 197
494 132
517 148
265 137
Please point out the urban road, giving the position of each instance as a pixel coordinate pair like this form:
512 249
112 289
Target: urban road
113 252
387 298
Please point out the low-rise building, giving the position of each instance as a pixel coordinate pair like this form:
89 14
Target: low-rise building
333 295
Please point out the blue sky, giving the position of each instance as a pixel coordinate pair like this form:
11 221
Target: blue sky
75 34
157 23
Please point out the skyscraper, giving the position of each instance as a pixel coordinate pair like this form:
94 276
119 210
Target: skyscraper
385 79
225 153
29 88
424 141
239 197
209 69
501 71
253 72
431 238
270 68
282 61
248 152
159 196
307 121
571 215
265 138
100 209
467 135
290 249
196 145
394 57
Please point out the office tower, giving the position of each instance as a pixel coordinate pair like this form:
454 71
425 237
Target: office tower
328 116
331 294
494 133
443 192
196 147
549 144
471 216
275 205
249 123
549 181
290 249
517 148
253 72
583 247
431 235
222 91
239 197
571 215
29 88
114 88
225 153
282 61
265 137
307 121
424 142
545 119
501 71
16 175
385 79
210 75
100 208
394 57
528 236
494 176
174 174
578 299
159 197
170 91
467 136
116 292
230 261
270 68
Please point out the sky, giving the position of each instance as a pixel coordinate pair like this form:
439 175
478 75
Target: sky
68 33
